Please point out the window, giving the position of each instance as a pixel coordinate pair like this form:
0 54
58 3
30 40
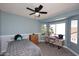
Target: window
74 31
43 29
57 29
52 29
60 29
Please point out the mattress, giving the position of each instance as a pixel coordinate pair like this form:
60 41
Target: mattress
23 48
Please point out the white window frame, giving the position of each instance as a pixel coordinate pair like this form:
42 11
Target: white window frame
73 40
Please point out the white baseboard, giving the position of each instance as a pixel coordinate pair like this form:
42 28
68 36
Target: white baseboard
71 51
42 40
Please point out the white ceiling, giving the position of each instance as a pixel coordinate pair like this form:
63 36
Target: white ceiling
53 9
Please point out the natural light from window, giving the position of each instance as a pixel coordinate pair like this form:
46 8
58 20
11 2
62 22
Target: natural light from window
58 29
43 29
74 31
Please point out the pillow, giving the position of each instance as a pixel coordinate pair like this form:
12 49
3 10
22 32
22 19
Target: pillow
60 36
18 37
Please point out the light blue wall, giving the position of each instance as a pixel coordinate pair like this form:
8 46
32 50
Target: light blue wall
11 24
67 32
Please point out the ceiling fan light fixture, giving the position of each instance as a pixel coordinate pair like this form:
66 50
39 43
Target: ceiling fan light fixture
37 14
37 11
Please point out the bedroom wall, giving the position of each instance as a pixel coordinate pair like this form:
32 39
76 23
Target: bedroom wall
11 24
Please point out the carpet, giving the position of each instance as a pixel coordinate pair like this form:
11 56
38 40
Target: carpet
52 50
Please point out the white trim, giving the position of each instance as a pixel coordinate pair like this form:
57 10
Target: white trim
71 50
15 34
42 40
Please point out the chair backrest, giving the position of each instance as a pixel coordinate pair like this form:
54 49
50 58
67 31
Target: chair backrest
60 36
18 37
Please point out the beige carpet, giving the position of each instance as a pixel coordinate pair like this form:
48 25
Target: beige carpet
50 50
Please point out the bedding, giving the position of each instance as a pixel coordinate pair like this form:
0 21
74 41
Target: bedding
23 48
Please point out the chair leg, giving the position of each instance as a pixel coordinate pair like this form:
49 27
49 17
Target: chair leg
59 47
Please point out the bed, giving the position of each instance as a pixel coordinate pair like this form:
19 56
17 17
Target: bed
22 48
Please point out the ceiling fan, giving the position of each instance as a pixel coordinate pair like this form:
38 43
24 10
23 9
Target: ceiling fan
37 11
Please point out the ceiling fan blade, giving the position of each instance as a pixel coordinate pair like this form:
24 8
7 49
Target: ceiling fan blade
31 13
43 12
40 7
30 9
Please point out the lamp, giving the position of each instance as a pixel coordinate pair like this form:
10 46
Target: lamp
37 14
